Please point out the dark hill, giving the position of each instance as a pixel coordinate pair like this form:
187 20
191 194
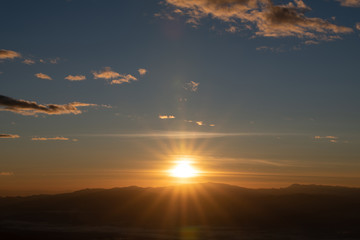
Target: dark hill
309 208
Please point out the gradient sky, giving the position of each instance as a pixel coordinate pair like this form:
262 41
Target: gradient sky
258 93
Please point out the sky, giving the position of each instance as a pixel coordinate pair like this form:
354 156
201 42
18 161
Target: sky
101 94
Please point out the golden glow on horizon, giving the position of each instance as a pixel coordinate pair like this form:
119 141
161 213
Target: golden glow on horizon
183 169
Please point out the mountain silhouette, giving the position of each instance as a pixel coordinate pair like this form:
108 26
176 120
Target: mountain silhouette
324 211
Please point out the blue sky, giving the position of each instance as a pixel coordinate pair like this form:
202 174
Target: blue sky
267 89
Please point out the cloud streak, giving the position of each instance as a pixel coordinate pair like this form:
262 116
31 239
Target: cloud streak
332 139
75 78
24 107
190 135
349 3
29 61
50 139
166 117
8 54
6 173
263 17
9 136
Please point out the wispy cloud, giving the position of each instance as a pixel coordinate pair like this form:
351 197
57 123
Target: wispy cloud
166 116
200 123
124 79
32 108
263 17
349 3
29 61
357 26
50 139
192 86
332 139
9 136
115 77
142 71
75 77
8 54
271 49
6 173
190 135
43 76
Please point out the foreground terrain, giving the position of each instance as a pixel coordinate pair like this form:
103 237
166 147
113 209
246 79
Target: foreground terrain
194 211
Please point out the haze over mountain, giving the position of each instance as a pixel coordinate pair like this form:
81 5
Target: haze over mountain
323 212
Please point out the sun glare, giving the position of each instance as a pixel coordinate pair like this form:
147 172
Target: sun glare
183 169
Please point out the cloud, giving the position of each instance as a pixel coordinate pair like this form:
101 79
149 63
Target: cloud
191 135
311 42
325 137
9 136
29 61
24 107
142 71
54 60
8 54
124 79
108 74
357 25
192 86
332 139
272 49
43 76
49 139
200 123
232 29
166 116
6 173
75 78
262 16
349 3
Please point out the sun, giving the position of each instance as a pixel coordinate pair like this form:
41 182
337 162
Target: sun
183 169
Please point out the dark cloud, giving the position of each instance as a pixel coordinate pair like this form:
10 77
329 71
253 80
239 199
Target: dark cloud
32 108
263 17
9 136
8 54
